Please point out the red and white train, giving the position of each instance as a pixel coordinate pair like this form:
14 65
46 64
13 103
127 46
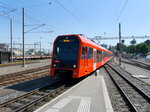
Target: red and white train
77 56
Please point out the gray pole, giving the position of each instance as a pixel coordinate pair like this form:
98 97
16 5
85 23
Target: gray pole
23 38
34 48
119 44
11 40
40 48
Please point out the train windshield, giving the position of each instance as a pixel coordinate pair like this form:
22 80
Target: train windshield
66 52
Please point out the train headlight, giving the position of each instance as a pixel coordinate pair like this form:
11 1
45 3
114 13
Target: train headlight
74 66
54 65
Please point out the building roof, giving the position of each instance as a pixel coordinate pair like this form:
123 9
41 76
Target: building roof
4 51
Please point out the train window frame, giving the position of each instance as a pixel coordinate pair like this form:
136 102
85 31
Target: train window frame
90 53
95 56
83 52
99 55
86 52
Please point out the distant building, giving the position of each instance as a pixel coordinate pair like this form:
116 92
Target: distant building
17 51
4 57
30 52
4 47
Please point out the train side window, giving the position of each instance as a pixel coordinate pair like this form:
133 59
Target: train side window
104 54
90 53
98 55
83 53
86 52
95 56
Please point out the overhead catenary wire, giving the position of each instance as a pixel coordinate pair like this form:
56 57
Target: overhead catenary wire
41 14
118 8
121 11
74 16
8 7
81 13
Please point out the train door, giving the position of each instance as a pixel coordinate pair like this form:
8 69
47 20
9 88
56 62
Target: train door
102 58
86 58
84 63
95 59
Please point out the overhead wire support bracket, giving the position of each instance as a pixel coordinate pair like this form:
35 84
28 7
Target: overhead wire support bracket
4 13
42 32
33 25
34 28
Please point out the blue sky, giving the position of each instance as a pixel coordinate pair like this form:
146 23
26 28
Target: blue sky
88 17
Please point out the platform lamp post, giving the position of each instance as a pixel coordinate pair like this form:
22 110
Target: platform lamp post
120 44
40 47
23 33
11 40
23 46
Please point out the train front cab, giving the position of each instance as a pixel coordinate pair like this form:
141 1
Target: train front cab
74 57
65 56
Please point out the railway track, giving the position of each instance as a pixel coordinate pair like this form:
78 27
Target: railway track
137 94
30 98
137 63
34 99
21 76
146 65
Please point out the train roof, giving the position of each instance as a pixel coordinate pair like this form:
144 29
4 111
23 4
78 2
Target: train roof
87 41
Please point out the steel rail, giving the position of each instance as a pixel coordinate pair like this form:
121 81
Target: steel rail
39 99
23 78
24 72
13 78
138 64
112 71
141 63
27 95
135 86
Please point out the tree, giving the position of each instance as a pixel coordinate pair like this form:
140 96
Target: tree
137 48
111 48
147 42
143 48
124 47
131 49
133 42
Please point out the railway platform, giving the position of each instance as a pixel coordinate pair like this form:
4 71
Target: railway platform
90 95
18 68
136 72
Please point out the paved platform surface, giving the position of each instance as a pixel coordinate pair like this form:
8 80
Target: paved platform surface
90 95
137 72
18 68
